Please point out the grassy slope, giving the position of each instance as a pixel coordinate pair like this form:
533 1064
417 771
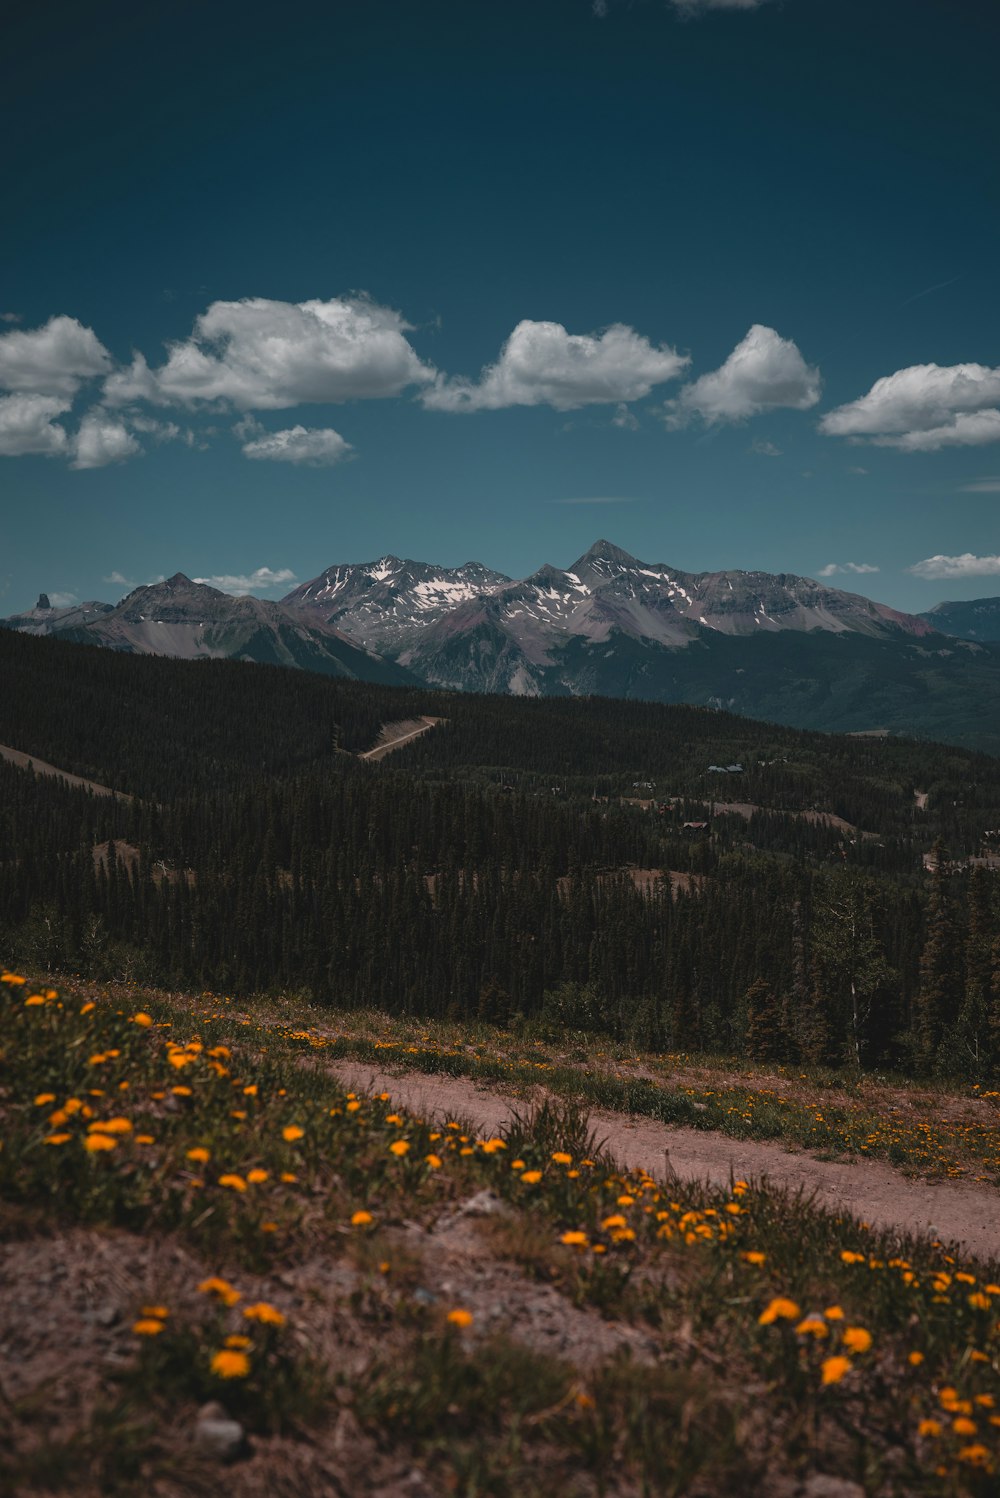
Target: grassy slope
615 1342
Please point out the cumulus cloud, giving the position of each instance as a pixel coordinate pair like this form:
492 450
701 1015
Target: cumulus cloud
965 565
102 439
253 582
317 447
924 407
263 355
543 365
764 449
52 360
832 568
27 425
763 372
62 600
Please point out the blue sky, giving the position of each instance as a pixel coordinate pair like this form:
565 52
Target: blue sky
283 288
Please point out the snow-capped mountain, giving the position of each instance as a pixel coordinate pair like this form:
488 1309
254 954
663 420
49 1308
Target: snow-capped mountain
474 629
381 604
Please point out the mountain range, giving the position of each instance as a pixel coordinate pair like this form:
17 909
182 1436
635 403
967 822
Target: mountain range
768 645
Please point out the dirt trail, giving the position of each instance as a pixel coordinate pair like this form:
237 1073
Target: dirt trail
955 1211
41 767
394 735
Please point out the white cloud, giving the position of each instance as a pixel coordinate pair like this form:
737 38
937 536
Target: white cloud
764 449
253 582
62 600
121 581
763 372
263 355
53 360
832 568
318 446
699 7
965 565
102 439
924 407
988 485
543 365
10 317
27 426
625 419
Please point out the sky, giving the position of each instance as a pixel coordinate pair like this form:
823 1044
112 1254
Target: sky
283 287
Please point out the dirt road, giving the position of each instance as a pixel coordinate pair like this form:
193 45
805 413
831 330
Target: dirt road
394 735
958 1211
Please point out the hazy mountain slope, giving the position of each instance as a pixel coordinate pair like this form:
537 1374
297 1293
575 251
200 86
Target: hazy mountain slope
190 621
971 619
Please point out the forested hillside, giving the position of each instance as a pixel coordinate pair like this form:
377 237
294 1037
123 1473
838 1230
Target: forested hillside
675 875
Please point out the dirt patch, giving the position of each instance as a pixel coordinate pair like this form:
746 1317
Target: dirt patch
868 1190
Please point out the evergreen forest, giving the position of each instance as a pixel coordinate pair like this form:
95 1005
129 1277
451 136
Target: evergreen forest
671 876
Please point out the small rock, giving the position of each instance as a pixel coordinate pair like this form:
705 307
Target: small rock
822 1485
424 1297
483 1204
217 1436
700 1107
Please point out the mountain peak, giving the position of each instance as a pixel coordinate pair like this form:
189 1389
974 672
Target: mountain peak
606 551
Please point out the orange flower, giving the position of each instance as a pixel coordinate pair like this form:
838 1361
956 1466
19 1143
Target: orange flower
264 1312
142 1019
531 1177
460 1318
57 1138
856 1339
779 1309
233 1182
148 1326
200 1155
43 1098
291 1132
230 1364
434 1161
96 1142
833 1369
257 1177
221 1289
399 1148
362 1220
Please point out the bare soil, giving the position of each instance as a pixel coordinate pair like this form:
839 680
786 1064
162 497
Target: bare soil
954 1211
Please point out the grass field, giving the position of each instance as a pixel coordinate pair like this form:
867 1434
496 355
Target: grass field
194 1210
